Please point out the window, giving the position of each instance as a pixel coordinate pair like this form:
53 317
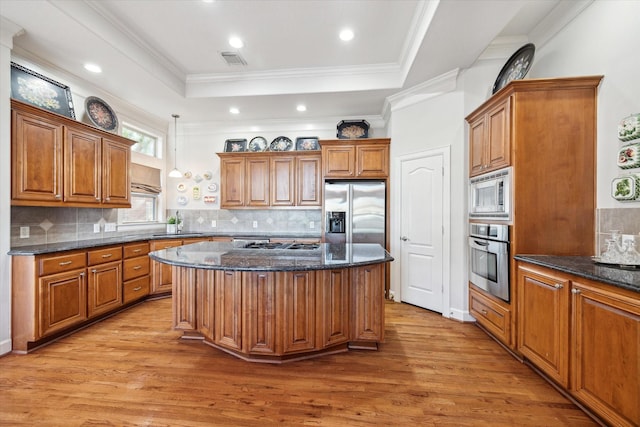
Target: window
146 143
143 209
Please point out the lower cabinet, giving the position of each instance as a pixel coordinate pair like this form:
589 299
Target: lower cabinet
367 284
333 307
62 303
135 272
161 274
298 302
259 312
585 336
492 315
104 288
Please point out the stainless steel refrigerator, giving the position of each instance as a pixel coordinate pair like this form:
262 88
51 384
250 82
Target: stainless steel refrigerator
355 212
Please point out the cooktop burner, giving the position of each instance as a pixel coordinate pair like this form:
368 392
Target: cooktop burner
276 245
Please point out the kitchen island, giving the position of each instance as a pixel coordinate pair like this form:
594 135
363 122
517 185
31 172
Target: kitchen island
279 303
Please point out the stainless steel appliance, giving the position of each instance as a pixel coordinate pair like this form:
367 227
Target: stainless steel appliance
355 212
490 195
489 258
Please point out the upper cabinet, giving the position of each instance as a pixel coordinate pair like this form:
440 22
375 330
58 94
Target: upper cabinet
347 158
271 179
57 161
489 141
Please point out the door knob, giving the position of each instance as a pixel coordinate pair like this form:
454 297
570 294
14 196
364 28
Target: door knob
404 238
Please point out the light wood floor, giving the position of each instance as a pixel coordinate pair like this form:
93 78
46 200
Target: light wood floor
133 370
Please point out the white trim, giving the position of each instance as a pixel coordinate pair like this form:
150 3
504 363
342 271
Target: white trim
461 315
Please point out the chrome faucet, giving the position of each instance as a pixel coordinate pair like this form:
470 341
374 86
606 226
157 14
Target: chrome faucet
178 222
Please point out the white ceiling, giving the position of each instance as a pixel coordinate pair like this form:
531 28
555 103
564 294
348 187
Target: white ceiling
164 56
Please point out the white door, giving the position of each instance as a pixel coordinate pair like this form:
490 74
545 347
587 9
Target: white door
421 231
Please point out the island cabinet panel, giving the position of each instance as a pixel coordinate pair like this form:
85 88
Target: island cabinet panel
297 299
228 309
184 298
36 154
259 313
82 172
161 274
63 301
543 321
104 288
368 303
333 302
205 303
606 345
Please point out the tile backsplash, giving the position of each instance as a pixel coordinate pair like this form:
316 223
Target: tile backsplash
626 220
53 225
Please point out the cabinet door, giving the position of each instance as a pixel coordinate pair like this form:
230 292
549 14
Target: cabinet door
259 311
161 274
333 305
298 305
184 299
205 303
257 182
232 182
368 303
116 177
135 289
228 309
606 345
282 181
82 166
63 301
372 161
339 161
477 132
104 288
309 181
543 321
36 159
498 137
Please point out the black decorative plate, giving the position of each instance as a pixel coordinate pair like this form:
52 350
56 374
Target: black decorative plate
353 129
100 114
258 144
516 67
281 143
235 145
304 143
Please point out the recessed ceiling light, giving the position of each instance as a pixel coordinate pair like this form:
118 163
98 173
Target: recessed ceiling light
236 42
346 35
301 107
207 1
234 110
93 68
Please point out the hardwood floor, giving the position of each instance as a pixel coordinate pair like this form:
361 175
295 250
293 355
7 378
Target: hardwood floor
133 370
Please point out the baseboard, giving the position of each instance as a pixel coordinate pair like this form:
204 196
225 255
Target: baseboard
5 347
461 315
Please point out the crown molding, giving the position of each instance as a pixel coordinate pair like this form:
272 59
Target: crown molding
426 10
560 17
9 30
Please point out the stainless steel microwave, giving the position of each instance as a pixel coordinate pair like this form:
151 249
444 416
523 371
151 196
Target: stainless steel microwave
490 195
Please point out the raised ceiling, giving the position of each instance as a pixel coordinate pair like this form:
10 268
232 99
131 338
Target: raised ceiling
164 56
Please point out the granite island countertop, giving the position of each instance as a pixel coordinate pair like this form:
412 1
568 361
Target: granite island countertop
232 256
584 266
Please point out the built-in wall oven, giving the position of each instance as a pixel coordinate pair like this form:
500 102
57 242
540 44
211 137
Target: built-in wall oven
489 258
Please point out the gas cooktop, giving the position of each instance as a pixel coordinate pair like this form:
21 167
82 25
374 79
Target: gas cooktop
277 245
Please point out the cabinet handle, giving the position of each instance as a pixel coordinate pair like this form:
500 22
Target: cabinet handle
575 291
137 250
58 196
82 274
107 255
94 271
64 263
484 312
137 289
97 198
108 199
558 286
137 267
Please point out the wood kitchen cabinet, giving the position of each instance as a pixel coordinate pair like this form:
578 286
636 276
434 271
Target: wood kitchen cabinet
62 301
543 320
161 274
489 138
135 271
259 312
298 301
334 301
368 304
366 158
491 313
228 309
56 161
272 179
104 285
605 367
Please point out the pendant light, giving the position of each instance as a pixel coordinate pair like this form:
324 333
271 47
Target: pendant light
175 173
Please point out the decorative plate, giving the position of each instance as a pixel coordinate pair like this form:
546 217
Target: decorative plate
516 67
187 175
304 143
182 200
629 156
235 145
258 144
629 128
212 187
208 175
626 188
352 129
197 178
281 143
100 114
182 187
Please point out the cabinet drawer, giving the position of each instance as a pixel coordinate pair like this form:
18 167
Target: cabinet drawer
158 245
135 267
135 289
137 249
493 317
61 263
99 256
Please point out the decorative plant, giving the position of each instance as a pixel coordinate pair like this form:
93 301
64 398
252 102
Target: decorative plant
171 220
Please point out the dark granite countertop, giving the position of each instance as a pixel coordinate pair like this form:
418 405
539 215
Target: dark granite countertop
584 266
230 256
93 243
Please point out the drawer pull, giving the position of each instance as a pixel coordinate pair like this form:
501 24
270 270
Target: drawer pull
63 263
58 196
484 312
558 286
82 274
137 267
575 291
137 250
107 255
94 271
137 289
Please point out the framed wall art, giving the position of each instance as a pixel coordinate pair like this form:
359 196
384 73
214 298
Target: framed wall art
41 91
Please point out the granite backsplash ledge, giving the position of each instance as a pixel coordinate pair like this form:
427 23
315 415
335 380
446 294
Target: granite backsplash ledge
48 225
